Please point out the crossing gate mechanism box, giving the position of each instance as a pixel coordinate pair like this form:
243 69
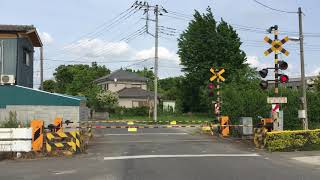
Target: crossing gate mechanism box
246 128
15 139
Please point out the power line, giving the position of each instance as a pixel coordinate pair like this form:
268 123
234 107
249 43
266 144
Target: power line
126 39
105 29
274 9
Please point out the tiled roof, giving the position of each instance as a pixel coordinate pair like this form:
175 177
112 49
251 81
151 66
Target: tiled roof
16 28
122 75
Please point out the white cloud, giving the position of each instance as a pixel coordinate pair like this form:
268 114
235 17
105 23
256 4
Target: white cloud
46 38
163 52
254 62
94 48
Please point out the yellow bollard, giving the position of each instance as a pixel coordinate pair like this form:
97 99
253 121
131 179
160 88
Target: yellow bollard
37 134
224 123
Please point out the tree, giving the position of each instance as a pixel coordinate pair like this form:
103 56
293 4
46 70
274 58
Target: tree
317 83
77 80
206 44
106 100
169 87
49 85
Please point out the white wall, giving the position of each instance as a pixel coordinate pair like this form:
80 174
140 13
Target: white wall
114 87
47 113
128 103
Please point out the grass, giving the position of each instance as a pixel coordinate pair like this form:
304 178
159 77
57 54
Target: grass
172 117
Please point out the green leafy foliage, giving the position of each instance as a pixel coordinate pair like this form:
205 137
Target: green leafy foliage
204 44
49 85
122 112
293 140
77 80
169 87
12 122
106 101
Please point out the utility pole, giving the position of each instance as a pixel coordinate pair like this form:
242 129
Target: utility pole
156 58
303 81
41 68
157 11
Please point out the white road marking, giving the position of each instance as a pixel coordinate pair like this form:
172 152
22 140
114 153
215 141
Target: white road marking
64 172
178 156
315 160
163 141
141 134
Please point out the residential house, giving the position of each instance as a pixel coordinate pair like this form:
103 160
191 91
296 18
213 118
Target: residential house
17 44
130 87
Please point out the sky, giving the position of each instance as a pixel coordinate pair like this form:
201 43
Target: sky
109 32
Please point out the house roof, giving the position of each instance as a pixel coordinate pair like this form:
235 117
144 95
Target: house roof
122 75
29 30
19 95
135 93
15 28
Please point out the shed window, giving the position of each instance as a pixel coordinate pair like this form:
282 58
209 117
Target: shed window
26 57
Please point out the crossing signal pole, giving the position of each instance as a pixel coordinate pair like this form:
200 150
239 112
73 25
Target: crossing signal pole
157 11
276 47
217 75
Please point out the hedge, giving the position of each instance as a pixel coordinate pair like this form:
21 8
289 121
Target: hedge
293 140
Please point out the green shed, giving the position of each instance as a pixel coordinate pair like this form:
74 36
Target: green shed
36 104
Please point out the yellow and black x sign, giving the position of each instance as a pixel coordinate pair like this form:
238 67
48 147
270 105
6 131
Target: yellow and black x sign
276 46
216 75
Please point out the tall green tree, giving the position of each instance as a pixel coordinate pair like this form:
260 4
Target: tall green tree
77 80
204 44
169 87
49 85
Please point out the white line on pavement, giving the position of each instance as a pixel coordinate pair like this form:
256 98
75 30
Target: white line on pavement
64 172
315 160
141 134
179 156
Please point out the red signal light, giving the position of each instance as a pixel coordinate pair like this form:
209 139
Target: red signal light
284 78
210 86
211 93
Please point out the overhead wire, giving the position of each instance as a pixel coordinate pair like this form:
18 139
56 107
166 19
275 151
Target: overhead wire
274 9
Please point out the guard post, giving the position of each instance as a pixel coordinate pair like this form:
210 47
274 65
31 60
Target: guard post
58 124
37 134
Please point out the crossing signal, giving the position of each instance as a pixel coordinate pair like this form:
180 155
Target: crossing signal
264 84
263 73
211 87
283 65
284 78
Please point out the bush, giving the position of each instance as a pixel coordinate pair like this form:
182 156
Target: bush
12 122
136 111
293 140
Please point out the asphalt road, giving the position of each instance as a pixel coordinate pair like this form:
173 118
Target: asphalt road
162 154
